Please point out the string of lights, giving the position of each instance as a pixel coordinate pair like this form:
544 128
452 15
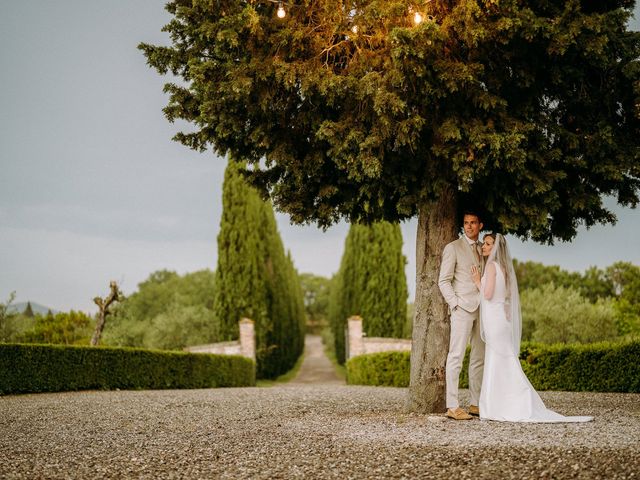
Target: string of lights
417 15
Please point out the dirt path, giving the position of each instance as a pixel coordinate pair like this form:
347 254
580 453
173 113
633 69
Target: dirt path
316 367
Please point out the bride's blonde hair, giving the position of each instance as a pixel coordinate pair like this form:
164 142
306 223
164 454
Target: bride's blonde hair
501 256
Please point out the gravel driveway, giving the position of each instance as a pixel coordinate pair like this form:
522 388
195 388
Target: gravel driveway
304 431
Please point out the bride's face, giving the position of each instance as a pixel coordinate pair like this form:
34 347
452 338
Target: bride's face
487 245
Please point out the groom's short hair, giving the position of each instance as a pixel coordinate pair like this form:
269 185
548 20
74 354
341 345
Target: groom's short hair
470 211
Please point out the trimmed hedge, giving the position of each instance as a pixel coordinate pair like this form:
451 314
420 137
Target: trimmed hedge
389 369
55 368
597 367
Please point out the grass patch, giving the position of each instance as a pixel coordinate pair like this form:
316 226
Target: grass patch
327 341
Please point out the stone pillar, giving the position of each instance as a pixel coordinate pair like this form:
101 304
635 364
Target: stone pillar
354 337
247 339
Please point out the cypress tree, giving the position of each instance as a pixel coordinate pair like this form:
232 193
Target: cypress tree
28 312
253 277
240 290
371 283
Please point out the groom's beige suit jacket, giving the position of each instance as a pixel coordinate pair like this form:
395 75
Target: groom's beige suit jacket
455 281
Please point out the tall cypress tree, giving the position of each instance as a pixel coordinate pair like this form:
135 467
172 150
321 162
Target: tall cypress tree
253 277
240 290
371 283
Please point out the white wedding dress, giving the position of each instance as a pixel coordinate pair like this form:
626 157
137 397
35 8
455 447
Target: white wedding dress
507 395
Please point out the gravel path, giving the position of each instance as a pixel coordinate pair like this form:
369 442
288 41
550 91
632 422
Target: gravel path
316 367
304 431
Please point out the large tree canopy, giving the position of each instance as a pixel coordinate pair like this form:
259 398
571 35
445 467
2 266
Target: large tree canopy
347 109
530 105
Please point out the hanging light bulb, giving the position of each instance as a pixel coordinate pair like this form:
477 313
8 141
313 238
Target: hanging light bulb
417 18
281 12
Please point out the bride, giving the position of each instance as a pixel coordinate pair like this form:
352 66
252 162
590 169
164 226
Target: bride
506 394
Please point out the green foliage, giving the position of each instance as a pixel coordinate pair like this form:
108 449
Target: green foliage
593 285
56 368
552 314
168 311
12 324
529 108
626 280
371 283
255 279
316 291
598 367
601 367
72 328
612 291
28 311
329 349
179 326
389 369
240 288
627 317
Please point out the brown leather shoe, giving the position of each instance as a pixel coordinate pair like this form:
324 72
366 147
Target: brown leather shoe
458 414
474 410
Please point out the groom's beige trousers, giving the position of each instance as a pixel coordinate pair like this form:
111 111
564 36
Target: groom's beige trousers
465 327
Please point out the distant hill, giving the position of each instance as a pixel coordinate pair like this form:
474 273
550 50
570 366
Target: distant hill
36 307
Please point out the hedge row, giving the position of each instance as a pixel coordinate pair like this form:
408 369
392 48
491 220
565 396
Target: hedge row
55 368
598 367
389 369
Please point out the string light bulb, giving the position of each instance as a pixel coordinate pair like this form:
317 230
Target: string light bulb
354 29
281 11
417 18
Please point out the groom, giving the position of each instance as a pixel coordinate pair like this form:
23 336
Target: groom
463 298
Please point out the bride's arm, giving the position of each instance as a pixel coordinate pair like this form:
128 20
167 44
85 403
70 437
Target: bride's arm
490 281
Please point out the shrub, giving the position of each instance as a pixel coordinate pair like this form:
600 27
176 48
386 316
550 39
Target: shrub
390 369
168 311
553 314
72 328
598 367
54 368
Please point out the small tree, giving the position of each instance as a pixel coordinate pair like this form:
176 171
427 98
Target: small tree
625 278
104 309
6 317
316 300
28 311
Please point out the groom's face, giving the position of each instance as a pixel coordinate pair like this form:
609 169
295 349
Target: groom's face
472 226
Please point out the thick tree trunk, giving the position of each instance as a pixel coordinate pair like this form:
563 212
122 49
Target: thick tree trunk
437 226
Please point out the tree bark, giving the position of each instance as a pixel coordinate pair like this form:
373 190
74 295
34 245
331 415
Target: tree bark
103 305
437 226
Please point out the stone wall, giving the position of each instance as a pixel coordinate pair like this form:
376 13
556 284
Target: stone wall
245 346
358 344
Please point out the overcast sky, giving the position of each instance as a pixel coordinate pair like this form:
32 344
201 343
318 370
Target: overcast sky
93 189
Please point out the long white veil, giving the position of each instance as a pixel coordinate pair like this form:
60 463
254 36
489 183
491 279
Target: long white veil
500 254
